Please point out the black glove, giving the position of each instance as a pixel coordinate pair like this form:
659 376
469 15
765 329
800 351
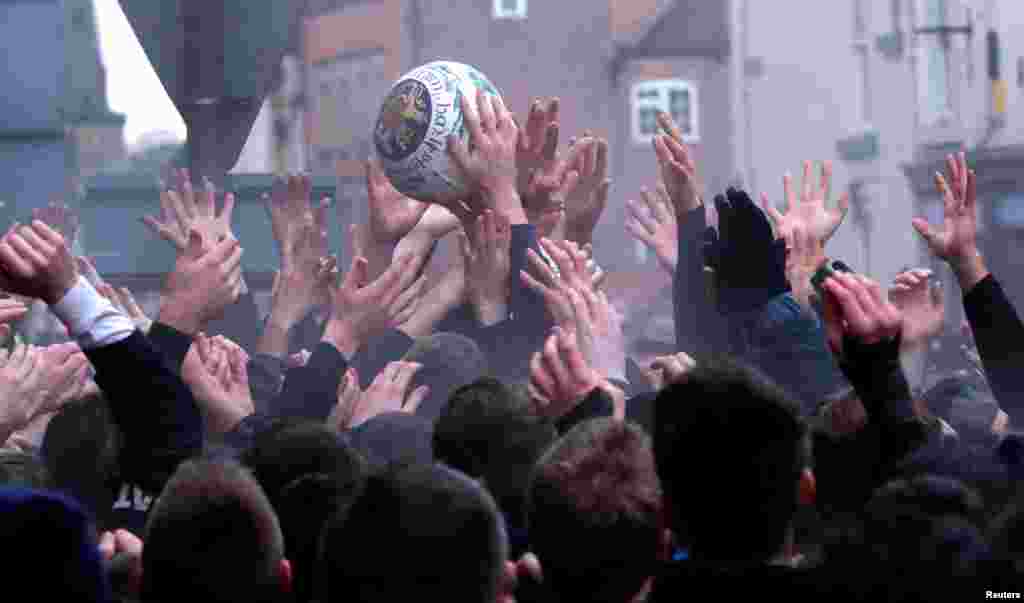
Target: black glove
749 264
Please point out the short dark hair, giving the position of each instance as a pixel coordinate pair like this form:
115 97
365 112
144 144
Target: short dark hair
423 532
594 512
212 536
491 432
449 361
80 448
919 525
729 446
307 471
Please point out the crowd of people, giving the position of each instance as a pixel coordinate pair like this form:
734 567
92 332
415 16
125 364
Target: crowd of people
489 435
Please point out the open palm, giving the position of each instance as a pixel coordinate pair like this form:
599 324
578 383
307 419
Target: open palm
811 211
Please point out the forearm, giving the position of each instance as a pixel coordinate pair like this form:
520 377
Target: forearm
172 343
432 309
699 326
999 333
274 339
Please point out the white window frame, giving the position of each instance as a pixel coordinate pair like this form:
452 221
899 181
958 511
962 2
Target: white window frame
664 87
519 12
927 117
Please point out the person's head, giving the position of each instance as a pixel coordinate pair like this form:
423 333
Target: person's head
594 512
80 449
731 455
449 361
394 438
490 432
925 523
52 548
212 535
306 471
424 532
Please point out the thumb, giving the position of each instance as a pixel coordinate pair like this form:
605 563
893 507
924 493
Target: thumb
925 230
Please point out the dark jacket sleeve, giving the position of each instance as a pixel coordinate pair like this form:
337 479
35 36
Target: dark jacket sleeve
311 391
850 468
597 404
151 406
265 375
372 358
699 327
241 323
999 334
172 343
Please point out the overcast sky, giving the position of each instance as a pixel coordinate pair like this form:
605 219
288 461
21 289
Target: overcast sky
132 85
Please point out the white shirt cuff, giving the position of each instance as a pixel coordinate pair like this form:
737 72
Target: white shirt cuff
90 318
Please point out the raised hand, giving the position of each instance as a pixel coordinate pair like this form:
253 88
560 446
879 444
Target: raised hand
677 166
21 397
587 200
485 255
572 273
361 308
389 392
655 225
552 181
811 210
299 226
215 370
489 164
183 210
392 214
855 307
61 219
806 255
36 262
665 370
348 396
957 242
561 375
921 303
202 285
64 375
538 141
599 330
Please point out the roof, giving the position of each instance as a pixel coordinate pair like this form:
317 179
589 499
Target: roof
679 28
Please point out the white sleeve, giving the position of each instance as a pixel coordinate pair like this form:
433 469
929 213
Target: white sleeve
90 318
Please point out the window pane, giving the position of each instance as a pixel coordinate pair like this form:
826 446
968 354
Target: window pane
510 6
933 13
935 101
648 121
679 107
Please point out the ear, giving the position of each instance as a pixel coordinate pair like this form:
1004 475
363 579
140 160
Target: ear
284 573
807 489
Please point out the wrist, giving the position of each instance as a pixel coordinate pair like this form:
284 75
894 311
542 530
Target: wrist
505 201
342 336
177 314
489 310
969 269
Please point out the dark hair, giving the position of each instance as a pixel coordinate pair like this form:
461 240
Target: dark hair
212 536
594 512
449 361
307 471
80 449
917 526
424 532
490 432
729 447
